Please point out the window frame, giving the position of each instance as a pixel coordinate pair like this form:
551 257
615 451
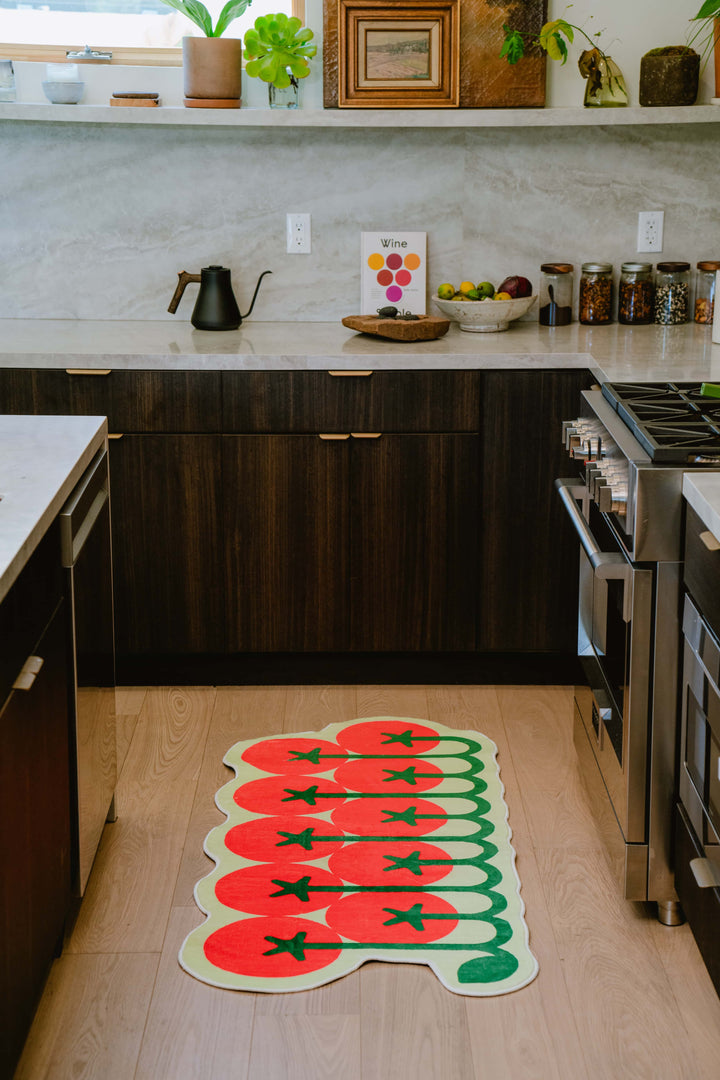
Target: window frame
139 56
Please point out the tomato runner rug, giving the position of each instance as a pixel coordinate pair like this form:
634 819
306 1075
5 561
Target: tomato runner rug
376 839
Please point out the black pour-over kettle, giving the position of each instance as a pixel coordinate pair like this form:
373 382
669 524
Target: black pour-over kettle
215 307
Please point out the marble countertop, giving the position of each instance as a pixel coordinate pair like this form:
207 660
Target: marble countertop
702 491
41 460
642 353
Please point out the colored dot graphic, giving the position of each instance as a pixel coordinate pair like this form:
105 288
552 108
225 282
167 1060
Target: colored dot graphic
394 273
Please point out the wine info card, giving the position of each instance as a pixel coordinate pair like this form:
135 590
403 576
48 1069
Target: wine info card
393 271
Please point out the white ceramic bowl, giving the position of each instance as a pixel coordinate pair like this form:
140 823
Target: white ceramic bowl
485 316
63 93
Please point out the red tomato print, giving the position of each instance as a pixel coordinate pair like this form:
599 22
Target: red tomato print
390 776
277 889
290 756
365 917
289 795
286 838
388 863
242 947
386 737
394 817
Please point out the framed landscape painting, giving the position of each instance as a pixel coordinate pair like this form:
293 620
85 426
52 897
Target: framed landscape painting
355 63
402 56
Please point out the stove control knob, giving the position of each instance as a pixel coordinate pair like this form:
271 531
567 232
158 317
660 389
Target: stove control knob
611 498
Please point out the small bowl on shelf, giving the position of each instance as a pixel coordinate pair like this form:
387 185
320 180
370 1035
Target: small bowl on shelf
63 92
485 316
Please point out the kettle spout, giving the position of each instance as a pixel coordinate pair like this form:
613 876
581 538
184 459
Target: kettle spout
257 287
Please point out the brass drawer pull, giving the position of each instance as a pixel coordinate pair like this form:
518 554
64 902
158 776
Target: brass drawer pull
710 541
706 873
26 675
366 434
115 435
343 373
87 371
328 437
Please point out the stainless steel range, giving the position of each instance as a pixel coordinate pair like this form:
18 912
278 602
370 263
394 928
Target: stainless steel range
630 447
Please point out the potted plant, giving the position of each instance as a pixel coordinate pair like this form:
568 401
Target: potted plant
212 66
277 51
605 83
707 36
669 75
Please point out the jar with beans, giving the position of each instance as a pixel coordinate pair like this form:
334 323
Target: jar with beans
705 291
596 293
636 294
672 293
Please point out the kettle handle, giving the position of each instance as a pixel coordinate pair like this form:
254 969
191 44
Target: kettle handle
252 302
183 279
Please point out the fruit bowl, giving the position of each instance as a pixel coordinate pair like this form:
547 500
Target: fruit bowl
485 316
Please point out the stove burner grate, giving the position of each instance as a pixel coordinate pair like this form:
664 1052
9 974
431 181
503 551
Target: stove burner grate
673 422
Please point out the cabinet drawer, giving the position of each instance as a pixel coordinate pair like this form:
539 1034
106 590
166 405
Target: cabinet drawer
133 401
307 402
701 906
702 569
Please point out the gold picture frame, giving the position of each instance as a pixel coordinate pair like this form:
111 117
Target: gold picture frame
406 55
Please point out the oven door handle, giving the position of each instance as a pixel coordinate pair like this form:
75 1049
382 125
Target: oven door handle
607 565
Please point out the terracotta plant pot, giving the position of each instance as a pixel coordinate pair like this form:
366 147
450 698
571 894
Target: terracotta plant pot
212 67
669 76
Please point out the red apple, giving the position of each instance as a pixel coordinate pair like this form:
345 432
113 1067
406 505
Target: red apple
516 286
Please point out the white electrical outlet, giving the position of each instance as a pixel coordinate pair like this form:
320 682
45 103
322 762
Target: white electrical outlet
650 230
298 234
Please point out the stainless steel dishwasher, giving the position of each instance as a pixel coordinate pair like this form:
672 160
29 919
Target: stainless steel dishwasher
87 558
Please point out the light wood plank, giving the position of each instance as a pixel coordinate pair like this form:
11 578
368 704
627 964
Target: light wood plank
622 1001
311 708
305 1048
129 700
194 1031
697 1002
127 902
392 701
91 1018
412 1027
239 713
538 722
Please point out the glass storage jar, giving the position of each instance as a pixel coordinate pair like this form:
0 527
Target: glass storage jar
636 294
705 291
672 293
596 293
556 294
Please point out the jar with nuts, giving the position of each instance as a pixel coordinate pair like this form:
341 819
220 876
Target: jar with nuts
705 291
636 294
672 293
596 293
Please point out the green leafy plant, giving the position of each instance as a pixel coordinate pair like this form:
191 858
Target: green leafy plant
704 35
275 44
199 14
552 39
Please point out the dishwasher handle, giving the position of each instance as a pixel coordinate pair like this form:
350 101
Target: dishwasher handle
83 508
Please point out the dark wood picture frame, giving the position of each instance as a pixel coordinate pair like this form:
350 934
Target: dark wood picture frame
486 81
404 55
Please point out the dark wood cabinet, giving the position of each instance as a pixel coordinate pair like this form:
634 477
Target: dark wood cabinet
34 798
528 553
701 905
237 528
167 515
367 544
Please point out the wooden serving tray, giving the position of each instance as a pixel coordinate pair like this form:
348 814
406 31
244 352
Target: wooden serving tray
424 328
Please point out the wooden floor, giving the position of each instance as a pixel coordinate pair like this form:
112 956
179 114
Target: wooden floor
618 996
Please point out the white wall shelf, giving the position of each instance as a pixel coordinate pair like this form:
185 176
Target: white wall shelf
359 118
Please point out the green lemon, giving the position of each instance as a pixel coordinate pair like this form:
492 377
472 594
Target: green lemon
485 288
474 295
446 292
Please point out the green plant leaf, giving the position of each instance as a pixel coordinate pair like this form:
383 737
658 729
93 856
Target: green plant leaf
513 46
195 11
275 43
708 9
232 10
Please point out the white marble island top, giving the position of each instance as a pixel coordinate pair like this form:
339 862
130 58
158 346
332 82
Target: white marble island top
642 353
41 460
